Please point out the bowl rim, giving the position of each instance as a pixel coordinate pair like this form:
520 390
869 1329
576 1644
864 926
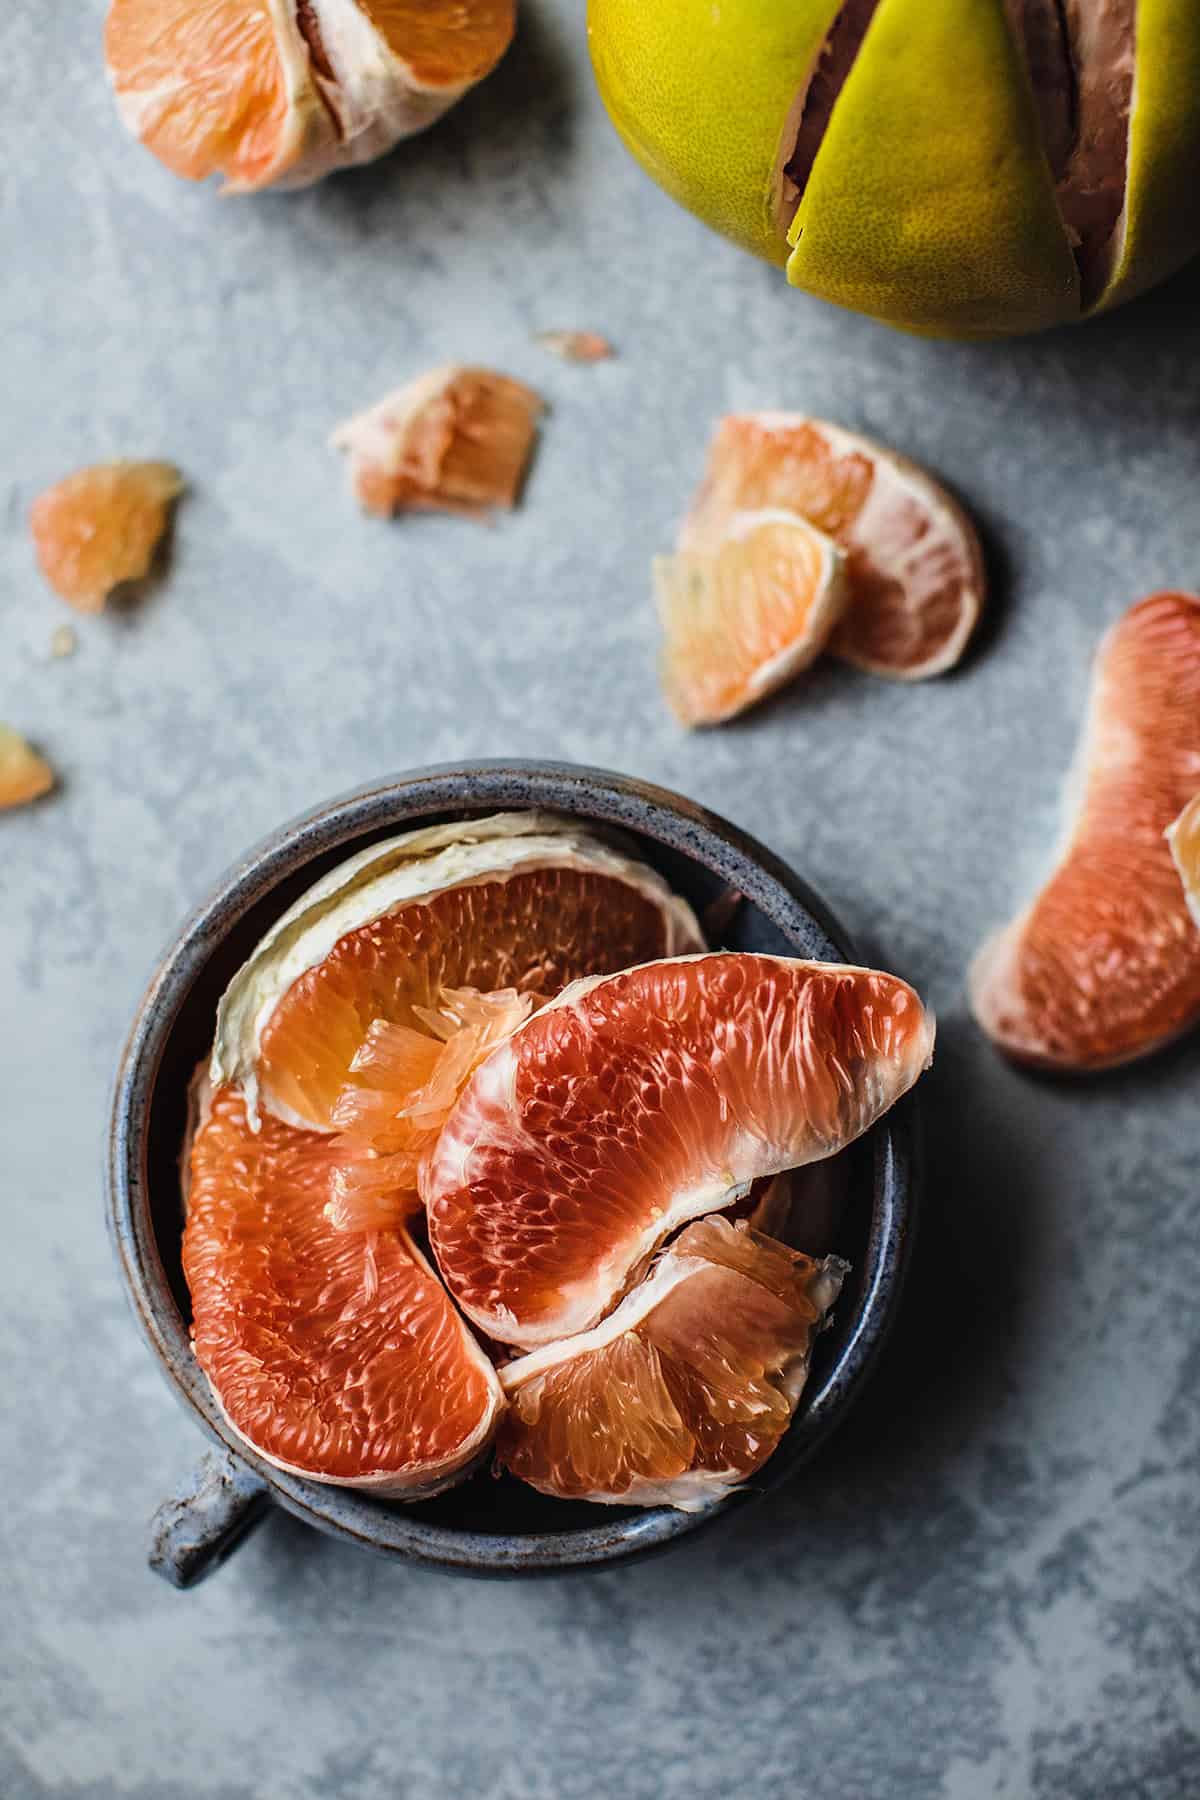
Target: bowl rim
478 787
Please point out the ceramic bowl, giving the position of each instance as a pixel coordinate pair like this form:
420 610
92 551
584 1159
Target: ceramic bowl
485 1527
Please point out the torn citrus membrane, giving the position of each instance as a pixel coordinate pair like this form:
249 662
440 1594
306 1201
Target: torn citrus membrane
24 775
456 440
278 93
638 1101
1104 964
914 576
1183 836
576 346
102 526
744 617
682 1393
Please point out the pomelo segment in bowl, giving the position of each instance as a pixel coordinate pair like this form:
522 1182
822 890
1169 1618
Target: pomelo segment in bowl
102 526
1184 838
951 167
682 1393
1104 964
278 93
914 577
332 1356
641 1100
350 1014
744 618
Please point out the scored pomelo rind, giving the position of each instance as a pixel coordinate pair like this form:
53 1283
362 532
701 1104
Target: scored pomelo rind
412 867
1183 835
952 227
729 1252
1144 926
1161 223
895 481
487 1134
690 85
685 582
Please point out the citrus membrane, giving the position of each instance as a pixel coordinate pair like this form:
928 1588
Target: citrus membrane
102 526
1183 836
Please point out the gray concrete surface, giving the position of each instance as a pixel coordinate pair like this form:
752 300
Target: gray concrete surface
988 1585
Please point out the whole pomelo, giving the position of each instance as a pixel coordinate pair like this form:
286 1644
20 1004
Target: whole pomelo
960 167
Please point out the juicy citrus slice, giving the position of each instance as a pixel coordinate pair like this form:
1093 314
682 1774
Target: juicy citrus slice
914 566
640 1100
742 620
101 527
457 440
1184 839
684 1391
281 92
1104 965
524 901
24 775
350 1368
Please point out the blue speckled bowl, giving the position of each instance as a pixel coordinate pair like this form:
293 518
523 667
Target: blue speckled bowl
485 1527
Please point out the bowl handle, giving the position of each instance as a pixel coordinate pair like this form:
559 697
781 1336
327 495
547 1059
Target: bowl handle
206 1518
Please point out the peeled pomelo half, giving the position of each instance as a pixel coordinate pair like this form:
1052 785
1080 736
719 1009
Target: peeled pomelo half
278 93
742 619
641 1100
24 775
683 1392
914 568
101 526
517 901
1104 964
1183 836
455 440
347 1368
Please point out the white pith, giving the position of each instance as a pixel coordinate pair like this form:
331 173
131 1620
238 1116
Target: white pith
376 438
416 866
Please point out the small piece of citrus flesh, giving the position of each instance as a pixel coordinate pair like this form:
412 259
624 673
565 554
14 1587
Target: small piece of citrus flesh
332 1356
914 567
1184 838
456 440
1104 964
350 1013
101 527
740 621
576 346
683 1392
638 1101
24 775
278 93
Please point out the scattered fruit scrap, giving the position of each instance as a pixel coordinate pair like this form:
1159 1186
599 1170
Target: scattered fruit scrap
456 440
269 95
24 775
420 1014
101 527
1104 964
576 346
63 642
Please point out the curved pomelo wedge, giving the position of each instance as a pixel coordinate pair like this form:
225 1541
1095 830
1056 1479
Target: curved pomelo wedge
741 620
280 92
101 526
333 1358
684 1391
641 1100
1184 839
24 775
914 568
521 901
1104 965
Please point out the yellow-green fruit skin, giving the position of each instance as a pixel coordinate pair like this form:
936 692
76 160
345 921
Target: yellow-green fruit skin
930 204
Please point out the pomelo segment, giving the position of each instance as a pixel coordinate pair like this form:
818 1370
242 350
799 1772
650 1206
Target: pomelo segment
641 1100
1104 965
1184 839
101 526
518 900
914 567
24 775
332 1356
456 440
278 93
744 619
684 1391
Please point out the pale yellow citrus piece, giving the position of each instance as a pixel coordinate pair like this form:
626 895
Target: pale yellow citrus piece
24 775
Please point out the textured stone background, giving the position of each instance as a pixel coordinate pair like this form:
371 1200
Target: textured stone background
988 1585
